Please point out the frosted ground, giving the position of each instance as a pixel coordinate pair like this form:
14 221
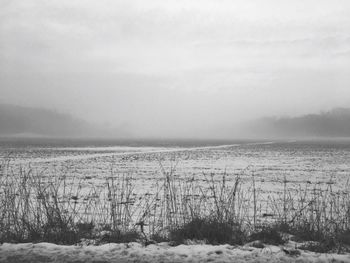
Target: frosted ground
271 163
299 163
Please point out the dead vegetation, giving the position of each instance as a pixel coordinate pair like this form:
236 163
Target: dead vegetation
36 207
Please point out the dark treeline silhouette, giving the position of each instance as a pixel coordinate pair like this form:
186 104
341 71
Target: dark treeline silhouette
16 120
334 123
26 121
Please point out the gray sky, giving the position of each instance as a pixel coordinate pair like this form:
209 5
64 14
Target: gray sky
175 68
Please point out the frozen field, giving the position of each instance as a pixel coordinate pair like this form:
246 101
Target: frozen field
166 184
299 162
270 162
90 164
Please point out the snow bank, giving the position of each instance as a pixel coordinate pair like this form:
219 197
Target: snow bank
135 252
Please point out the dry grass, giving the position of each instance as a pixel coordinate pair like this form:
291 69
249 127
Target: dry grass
43 207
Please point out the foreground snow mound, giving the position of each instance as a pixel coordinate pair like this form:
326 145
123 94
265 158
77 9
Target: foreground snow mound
135 252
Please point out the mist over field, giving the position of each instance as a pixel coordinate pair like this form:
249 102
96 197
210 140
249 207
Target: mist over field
179 69
19 121
332 124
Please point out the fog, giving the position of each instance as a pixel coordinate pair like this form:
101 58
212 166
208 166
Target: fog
166 68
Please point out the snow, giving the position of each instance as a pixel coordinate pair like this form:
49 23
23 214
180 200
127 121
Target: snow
136 252
270 163
117 151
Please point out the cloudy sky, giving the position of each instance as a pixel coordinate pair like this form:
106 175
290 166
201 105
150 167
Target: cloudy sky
175 68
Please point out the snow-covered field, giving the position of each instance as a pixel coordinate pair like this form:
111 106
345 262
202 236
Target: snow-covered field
271 163
135 252
302 164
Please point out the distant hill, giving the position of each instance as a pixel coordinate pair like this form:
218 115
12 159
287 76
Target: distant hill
18 121
33 122
334 123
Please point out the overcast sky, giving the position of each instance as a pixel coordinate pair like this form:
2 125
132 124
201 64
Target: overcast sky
175 68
